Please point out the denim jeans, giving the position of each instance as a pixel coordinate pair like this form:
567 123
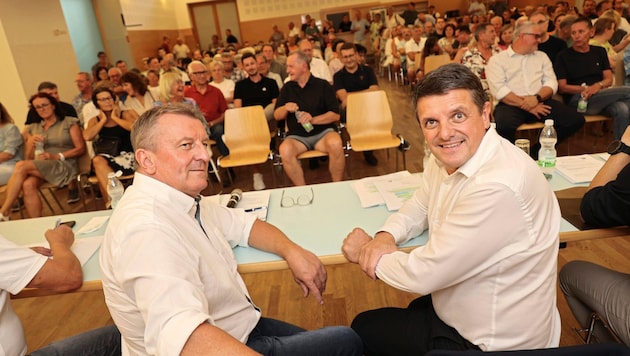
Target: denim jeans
103 341
612 101
276 338
216 133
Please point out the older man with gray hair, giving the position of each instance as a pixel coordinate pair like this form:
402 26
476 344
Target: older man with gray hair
523 80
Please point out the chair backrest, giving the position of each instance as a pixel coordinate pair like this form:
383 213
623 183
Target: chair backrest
432 63
367 113
246 130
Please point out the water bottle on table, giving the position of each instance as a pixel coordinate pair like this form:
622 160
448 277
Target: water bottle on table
547 154
115 189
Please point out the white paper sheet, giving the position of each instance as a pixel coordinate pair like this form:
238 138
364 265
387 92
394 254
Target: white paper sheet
578 169
94 224
368 193
83 247
397 192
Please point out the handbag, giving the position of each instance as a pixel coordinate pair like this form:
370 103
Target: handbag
106 146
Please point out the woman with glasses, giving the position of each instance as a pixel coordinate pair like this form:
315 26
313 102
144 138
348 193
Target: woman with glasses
111 129
225 85
53 144
139 97
10 145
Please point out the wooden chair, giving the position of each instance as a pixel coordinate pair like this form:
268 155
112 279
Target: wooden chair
369 124
432 63
246 136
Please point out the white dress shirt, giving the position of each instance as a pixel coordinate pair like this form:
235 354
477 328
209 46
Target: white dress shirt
162 276
522 75
490 263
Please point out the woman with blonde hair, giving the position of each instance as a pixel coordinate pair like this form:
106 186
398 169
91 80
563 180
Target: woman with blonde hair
172 91
11 145
225 85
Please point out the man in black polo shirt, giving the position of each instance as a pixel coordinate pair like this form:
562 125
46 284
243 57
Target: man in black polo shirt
256 89
353 77
310 108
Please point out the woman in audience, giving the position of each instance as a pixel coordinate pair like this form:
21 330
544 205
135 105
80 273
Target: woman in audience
112 127
505 36
56 163
431 48
604 29
102 73
446 42
11 145
139 98
172 91
220 82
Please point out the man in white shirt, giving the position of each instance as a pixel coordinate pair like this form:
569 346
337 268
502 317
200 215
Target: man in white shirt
319 68
169 274
413 49
22 267
488 271
180 49
523 80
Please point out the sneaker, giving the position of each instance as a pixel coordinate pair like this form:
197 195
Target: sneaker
73 196
370 158
259 183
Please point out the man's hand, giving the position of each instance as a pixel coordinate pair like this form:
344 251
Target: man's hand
353 243
590 90
291 107
540 110
308 271
62 235
529 103
371 253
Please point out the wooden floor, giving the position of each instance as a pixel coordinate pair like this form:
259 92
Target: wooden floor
348 292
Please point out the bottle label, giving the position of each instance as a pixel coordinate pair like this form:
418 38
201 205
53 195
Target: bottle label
547 163
582 104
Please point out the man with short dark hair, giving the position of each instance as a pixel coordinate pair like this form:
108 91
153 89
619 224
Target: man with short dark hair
269 52
169 274
84 84
550 45
484 285
310 108
102 62
410 14
353 78
122 65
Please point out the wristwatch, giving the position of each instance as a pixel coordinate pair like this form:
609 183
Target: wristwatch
539 98
618 146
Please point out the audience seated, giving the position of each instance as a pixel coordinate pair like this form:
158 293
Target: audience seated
225 85
11 145
57 164
139 98
476 56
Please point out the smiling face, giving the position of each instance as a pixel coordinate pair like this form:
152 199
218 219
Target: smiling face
453 126
104 101
181 159
177 89
44 108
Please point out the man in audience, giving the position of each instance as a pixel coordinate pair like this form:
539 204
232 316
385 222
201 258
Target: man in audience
51 89
84 84
228 67
584 71
497 23
413 49
308 102
22 267
114 76
523 81
353 77
410 14
484 285
462 37
256 90
550 45
591 288
274 66
210 101
169 273
122 65
319 68
263 68
102 62
180 49
360 27
588 9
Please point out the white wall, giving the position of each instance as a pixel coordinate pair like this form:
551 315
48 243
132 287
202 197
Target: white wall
12 93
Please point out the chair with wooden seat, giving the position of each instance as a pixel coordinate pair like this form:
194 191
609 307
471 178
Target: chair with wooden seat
247 137
369 124
432 63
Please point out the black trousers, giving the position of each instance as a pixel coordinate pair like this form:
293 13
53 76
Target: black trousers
414 330
566 121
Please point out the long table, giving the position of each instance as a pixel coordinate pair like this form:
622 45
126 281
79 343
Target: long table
319 227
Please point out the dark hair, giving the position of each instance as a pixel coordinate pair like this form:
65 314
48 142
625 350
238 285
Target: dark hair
347 46
464 28
451 26
361 49
120 61
588 22
46 85
99 69
450 77
431 42
58 111
98 91
481 28
336 42
247 55
4 115
100 53
138 85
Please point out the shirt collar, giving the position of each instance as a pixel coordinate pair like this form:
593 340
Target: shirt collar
175 199
489 144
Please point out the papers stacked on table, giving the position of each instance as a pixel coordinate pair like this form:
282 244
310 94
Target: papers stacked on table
392 189
579 169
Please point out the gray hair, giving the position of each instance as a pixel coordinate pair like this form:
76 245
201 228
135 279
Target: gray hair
301 56
522 27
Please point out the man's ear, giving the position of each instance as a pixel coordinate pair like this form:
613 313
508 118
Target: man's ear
146 160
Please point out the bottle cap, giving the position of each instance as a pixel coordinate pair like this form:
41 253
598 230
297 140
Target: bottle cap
549 122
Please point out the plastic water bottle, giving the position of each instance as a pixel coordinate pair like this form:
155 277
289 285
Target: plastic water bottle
547 154
39 149
583 102
115 189
308 127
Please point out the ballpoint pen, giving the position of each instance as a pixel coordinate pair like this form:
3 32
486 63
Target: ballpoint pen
255 209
